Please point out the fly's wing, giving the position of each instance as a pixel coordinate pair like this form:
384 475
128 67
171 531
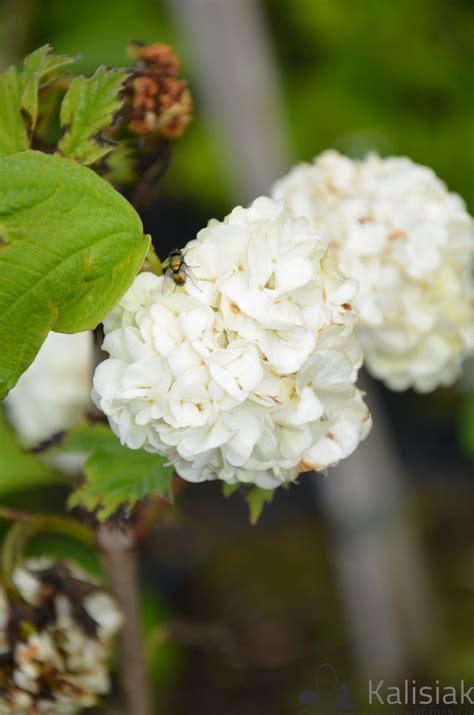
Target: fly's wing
192 277
168 285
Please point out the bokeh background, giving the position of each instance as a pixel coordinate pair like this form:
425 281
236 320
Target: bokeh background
377 576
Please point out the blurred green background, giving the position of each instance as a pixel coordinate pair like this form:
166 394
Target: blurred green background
355 75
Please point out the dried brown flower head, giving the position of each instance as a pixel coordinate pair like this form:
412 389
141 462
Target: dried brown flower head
55 638
158 101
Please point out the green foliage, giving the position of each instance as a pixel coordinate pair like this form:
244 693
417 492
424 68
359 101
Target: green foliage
36 66
351 79
87 109
229 489
115 476
120 166
13 133
256 498
19 469
19 91
70 246
467 426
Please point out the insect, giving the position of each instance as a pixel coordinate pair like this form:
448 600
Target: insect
176 272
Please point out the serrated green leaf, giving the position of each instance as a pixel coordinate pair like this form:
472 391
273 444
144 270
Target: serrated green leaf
115 476
87 109
19 469
41 63
256 498
70 246
35 67
19 98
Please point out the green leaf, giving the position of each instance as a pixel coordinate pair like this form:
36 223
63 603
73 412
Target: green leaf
19 91
19 469
115 476
35 67
70 246
87 109
256 498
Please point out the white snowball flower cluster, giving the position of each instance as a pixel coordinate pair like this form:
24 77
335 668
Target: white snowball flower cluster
247 373
54 646
409 243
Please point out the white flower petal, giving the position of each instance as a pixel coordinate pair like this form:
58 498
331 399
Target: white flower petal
108 378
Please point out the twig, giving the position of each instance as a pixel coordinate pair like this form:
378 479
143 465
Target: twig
52 523
119 556
13 548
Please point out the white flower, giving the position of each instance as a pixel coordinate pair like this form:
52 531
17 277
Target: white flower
247 373
409 243
56 643
54 393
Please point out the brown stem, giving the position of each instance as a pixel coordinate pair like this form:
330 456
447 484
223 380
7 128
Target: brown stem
119 556
155 510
